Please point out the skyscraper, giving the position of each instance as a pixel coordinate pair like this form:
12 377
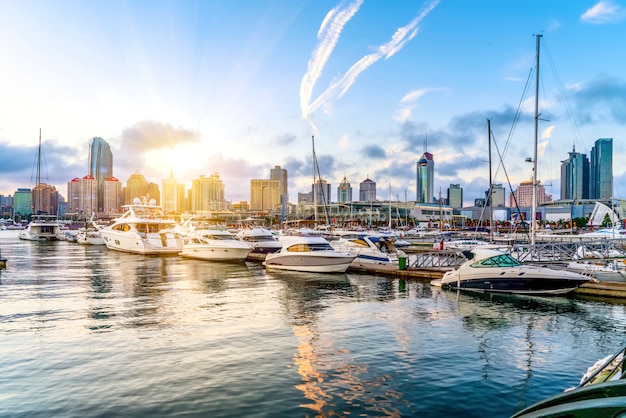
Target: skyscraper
425 177
367 190
455 196
601 170
575 177
100 166
280 174
170 195
344 191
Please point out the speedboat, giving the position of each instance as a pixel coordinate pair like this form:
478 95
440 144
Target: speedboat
220 246
41 228
600 393
488 270
261 239
89 236
370 251
308 253
142 229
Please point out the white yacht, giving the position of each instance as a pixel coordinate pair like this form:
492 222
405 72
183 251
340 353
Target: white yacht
89 236
221 246
494 271
41 228
142 229
261 239
371 252
308 253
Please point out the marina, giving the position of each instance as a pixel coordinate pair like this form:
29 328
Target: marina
86 331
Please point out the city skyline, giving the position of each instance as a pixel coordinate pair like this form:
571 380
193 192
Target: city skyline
197 88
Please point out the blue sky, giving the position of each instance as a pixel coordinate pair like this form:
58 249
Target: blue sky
237 87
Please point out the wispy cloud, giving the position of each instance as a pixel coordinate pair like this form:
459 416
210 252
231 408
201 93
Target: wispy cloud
407 103
603 12
329 33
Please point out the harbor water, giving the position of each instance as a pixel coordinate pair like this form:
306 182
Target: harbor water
89 332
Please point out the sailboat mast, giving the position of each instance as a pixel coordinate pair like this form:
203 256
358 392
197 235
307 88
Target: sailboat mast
490 200
533 216
38 177
315 186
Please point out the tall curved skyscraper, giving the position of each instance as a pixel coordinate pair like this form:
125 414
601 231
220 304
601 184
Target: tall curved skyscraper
100 166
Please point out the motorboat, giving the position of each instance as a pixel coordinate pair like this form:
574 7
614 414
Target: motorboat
370 251
41 228
219 246
460 244
261 239
89 236
488 270
600 393
142 229
310 253
609 271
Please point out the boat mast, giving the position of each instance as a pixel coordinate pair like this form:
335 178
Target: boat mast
490 199
38 177
315 186
533 216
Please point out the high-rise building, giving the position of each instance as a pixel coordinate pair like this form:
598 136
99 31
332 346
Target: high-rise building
344 191
498 196
45 199
321 192
280 174
170 191
112 196
264 194
23 202
601 169
524 195
455 196
207 193
81 195
425 178
100 166
136 187
367 190
575 176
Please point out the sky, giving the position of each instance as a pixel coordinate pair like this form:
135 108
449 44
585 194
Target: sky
236 87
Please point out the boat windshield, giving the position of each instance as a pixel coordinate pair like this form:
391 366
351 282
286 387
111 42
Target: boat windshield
309 247
501 260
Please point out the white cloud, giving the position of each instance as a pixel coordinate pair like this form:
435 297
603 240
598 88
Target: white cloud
603 12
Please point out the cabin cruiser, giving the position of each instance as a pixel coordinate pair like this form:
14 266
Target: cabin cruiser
310 253
41 228
142 229
89 236
214 244
488 270
600 393
261 239
370 251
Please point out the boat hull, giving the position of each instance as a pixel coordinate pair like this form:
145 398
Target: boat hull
154 243
309 263
215 254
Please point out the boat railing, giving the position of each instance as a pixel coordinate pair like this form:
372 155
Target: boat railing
611 368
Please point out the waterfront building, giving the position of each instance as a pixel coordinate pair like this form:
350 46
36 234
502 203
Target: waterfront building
82 195
575 176
305 198
344 191
264 194
136 186
23 202
45 199
523 195
154 192
498 196
367 191
170 191
425 178
321 192
207 193
100 167
455 196
6 206
601 169
112 196
280 174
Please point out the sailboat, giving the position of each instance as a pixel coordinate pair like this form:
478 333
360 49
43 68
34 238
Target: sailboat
493 271
42 227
